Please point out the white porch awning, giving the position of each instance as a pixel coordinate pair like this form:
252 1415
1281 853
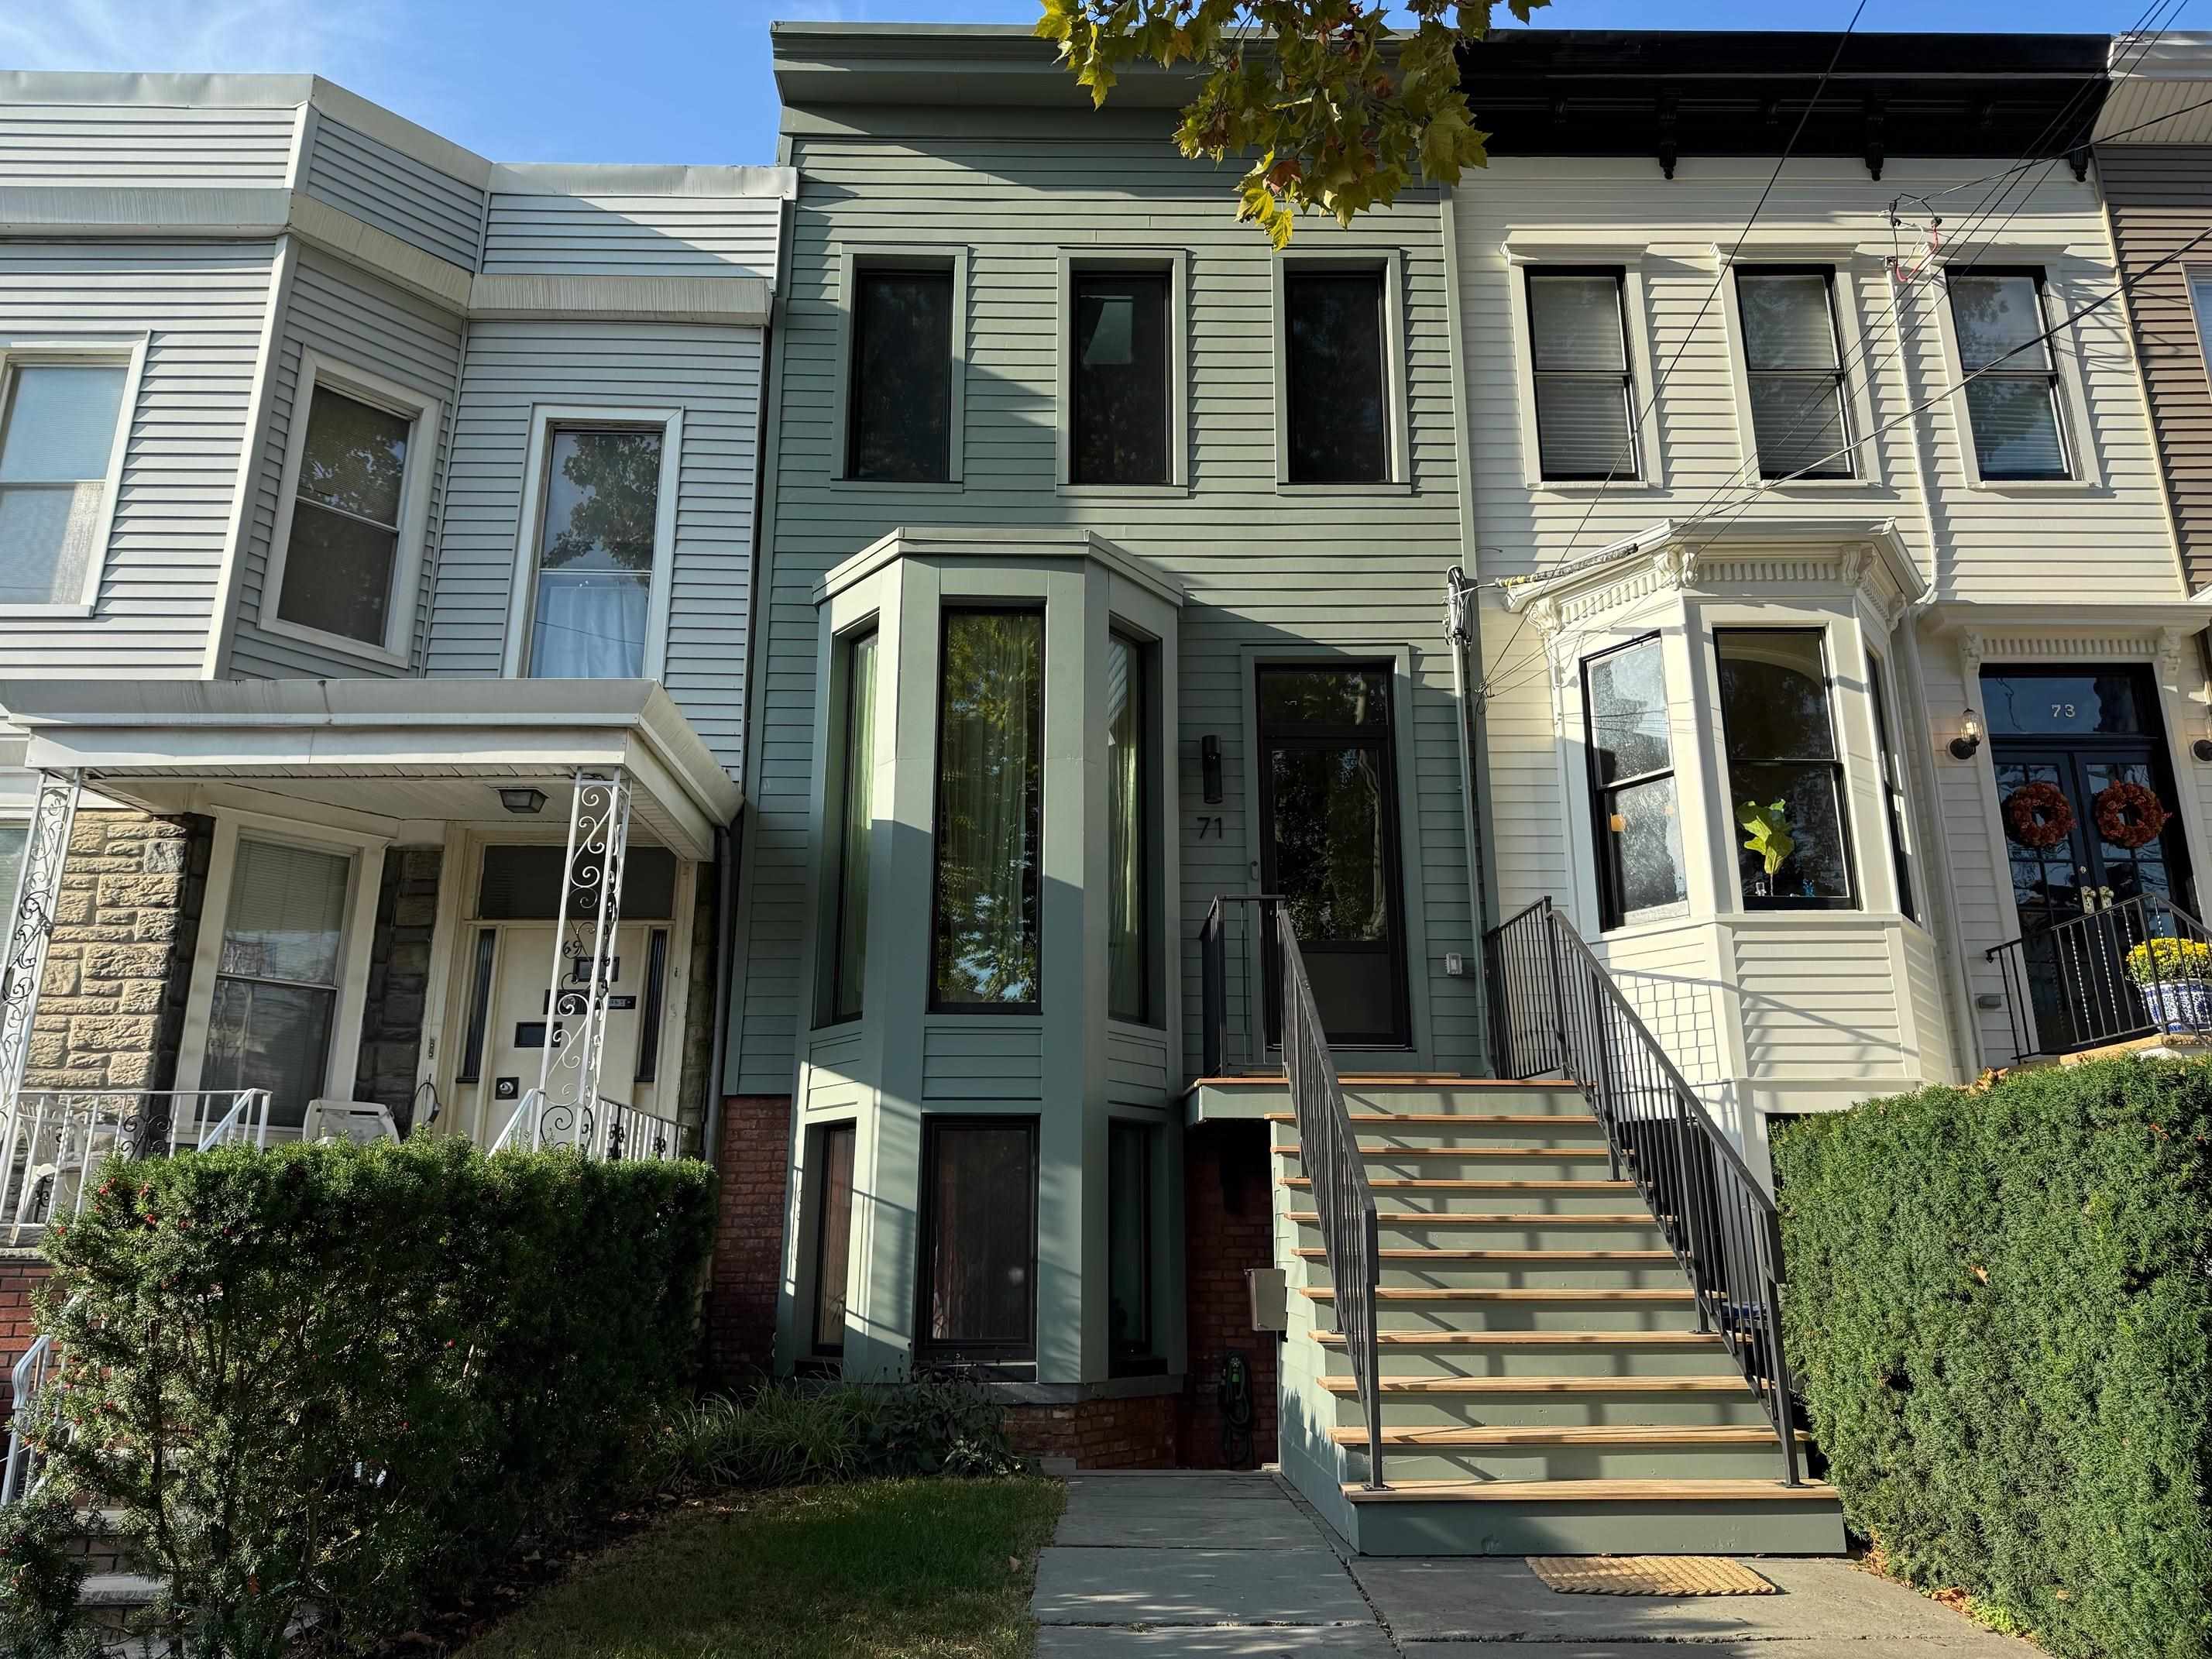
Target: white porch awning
396 752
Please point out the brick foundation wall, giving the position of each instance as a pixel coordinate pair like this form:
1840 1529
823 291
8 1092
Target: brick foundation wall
111 1003
1100 1434
754 1163
398 980
1228 1226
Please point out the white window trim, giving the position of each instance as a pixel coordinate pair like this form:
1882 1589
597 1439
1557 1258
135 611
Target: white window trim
1397 472
426 413
850 260
366 855
2200 313
1844 298
129 351
1642 353
1082 261
544 419
2075 431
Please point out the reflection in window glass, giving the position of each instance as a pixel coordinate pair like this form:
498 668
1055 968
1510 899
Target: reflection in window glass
56 432
1128 1246
1792 354
1128 942
594 598
979 1182
1333 360
1638 833
833 1237
344 545
277 976
1120 420
1893 789
1582 386
989 808
857 814
2012 399
900 399
1782 764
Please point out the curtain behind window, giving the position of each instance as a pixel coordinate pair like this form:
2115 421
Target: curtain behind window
1126 943
276 991
858 813
594 598
989 810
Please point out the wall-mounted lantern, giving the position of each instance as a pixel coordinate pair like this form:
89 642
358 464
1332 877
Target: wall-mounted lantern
1209 768
1968 743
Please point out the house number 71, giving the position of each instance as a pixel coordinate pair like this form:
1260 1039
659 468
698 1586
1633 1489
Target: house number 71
1209 827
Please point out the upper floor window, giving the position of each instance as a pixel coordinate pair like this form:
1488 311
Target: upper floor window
848 959
1129 908
59 433
1794 358
1632 765
348 552
2012 396
1785 777
598 549
1119 386
990 812
899 402
1336 375
1585 392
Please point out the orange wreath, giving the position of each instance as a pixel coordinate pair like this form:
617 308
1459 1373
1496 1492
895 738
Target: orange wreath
2039 816
2128 815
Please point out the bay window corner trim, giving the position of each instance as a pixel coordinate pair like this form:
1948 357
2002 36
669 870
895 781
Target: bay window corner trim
426 415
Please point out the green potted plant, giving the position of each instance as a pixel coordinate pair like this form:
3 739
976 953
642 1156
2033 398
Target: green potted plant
1766 834
2175 978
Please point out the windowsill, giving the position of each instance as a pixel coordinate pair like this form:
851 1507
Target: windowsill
1869 919
1582 487
327 642
2032 487
57 612
1826 487
881 486
1107 492
1658 918
1385 487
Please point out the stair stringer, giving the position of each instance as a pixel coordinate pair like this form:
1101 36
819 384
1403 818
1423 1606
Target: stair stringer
1305 1413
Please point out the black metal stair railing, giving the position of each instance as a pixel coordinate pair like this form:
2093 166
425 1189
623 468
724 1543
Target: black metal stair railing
1554 1008
2127 969
1328 1149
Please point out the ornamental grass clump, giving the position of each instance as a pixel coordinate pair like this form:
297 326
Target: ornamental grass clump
1999 1313
331 1382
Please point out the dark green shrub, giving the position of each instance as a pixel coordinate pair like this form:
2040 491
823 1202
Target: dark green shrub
348 1378
791 1434
40 1578
2000 1317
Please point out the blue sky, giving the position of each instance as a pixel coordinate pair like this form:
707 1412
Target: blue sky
689 80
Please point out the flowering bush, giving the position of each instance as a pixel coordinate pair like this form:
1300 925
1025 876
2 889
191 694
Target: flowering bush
2163 961
339 1379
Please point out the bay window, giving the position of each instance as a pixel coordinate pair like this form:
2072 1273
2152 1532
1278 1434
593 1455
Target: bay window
1131 1347
276 999
989 810
1892 788
855 815
1128 932
1784 774
833 1234
979 1239
1638 832
60 427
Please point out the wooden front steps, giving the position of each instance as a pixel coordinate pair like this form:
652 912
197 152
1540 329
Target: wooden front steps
1543 1389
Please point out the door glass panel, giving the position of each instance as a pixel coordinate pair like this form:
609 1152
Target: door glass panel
1325 696
276 991
2088 704
1328 839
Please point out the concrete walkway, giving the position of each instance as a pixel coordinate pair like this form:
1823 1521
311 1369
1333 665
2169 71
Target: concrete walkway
1228 1565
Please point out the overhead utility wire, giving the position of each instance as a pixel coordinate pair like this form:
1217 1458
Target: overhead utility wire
1636 424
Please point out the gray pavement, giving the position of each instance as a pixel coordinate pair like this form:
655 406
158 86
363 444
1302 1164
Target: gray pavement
1228 1566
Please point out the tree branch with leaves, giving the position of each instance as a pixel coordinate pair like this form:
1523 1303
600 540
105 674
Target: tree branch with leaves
1338 110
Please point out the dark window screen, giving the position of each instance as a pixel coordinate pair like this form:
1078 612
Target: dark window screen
901 397
1332 324
1120 355
980 1184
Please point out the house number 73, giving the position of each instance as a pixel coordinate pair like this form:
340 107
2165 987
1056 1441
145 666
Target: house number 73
2061 711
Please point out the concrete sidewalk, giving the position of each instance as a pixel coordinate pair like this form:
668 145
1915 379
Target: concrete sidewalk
1227 1566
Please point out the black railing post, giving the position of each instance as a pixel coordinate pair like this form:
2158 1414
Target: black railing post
1213 994
1559 982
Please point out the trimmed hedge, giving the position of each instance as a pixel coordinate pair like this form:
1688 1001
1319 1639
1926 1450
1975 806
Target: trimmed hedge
1999 1317
348 1378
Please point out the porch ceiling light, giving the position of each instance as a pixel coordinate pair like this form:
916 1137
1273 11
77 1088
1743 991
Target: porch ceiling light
1968 743
526 803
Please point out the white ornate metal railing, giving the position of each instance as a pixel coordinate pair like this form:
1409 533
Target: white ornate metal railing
605 1129
36 901
583 968
53 1142
84 1128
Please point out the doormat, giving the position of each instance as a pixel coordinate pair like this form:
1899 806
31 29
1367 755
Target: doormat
1649 1575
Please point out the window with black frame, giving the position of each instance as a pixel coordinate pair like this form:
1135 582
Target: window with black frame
979 1268
990 811
1638 834
1892 788
1119 426
1130 1347
899 399
2012 384
1585 392
1335 375
833 1234
1128 841
849 941
1785 776
1794 358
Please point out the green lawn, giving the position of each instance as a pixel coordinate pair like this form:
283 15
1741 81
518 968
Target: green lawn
901 1569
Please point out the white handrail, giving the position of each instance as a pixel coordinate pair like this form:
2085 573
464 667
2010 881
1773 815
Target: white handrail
527 1110
29 1376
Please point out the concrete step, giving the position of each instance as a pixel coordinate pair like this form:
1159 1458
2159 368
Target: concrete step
1693 1517
1627 1230
1568 1308
1515 1270
1265 1096
1384 1164
1451 1195
1380 1129
1506 1356
1553 1402
1586 1452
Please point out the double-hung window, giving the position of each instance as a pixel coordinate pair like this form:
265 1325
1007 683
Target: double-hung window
1785 776
60 433
1585 390
1119 423
1336 374
990 811
597 577
1794 358
1632 765
356 495
2000 319
899 402
1892 788
275 1000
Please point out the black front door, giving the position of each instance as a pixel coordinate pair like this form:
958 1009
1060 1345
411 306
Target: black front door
2081 731
1328 843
